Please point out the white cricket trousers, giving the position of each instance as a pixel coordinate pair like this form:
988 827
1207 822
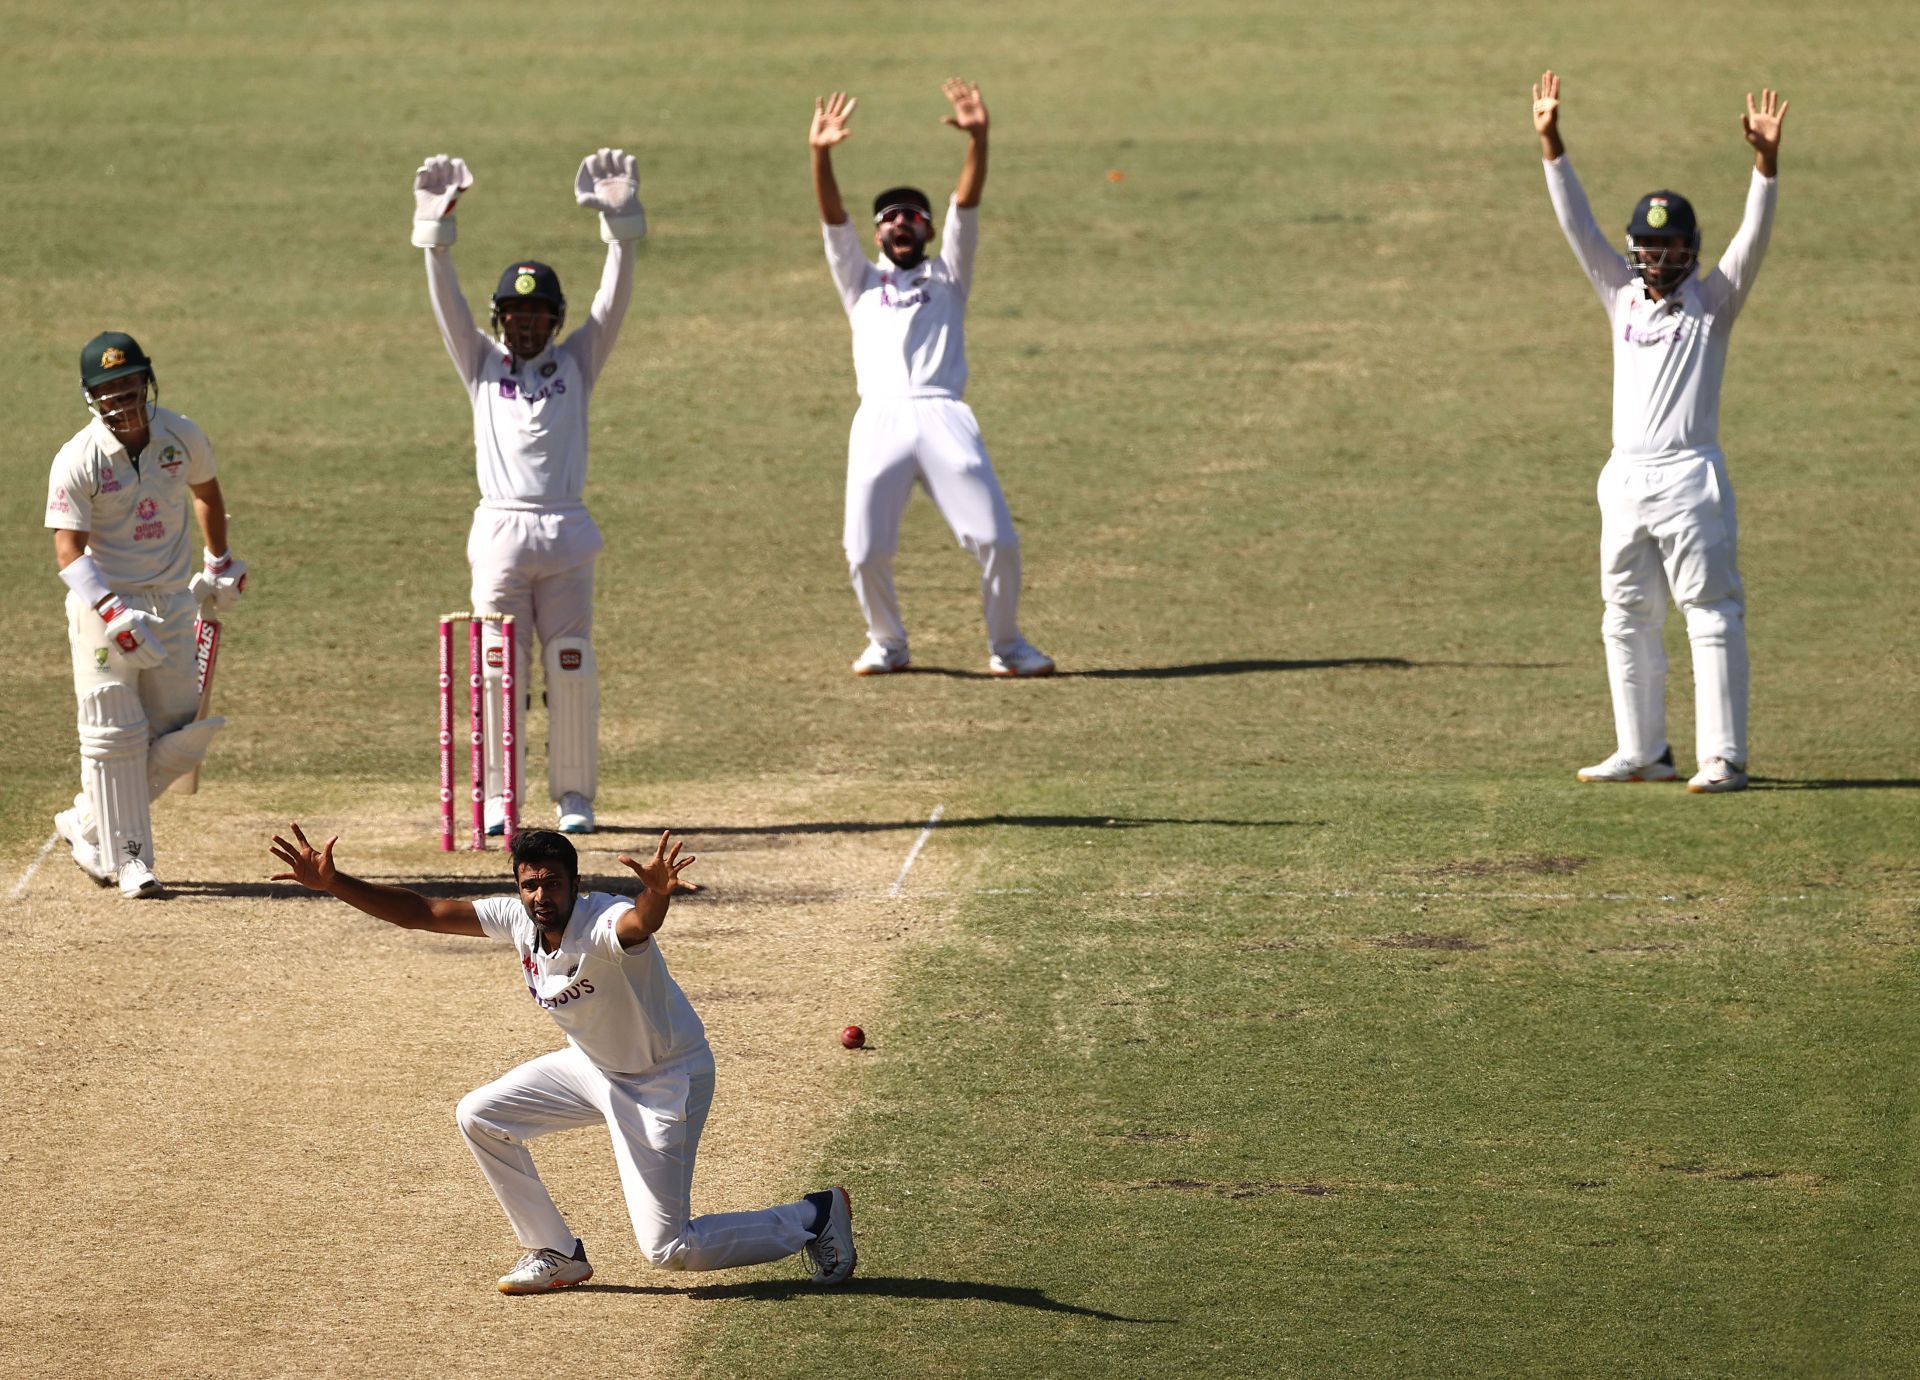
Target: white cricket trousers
1667 527
655 1121
896 443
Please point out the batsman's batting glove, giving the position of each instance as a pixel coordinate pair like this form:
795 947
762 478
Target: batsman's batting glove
229 576
437 186
608 183
129 631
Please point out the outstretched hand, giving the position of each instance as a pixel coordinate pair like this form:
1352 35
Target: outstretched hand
830 117
1762 127
660 874
969 111
608 182
313 870
1546 104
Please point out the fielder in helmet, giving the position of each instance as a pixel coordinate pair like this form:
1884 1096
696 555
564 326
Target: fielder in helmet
118 503
533 544
1667 525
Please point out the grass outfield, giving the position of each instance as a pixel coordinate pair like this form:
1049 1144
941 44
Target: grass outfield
1271 1000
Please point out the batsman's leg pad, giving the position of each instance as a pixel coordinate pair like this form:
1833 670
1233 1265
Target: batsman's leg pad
179 752
573 717
113 769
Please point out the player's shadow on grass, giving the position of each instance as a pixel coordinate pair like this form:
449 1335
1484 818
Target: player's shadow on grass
1248 666
881 1286
694 832
1832 783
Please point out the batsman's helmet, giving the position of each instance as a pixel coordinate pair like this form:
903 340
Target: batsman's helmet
115 355
1663 214
528 278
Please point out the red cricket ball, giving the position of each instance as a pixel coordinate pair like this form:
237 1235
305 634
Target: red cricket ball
853 1037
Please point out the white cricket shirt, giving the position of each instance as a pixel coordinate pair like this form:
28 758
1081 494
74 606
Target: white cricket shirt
134 508
908 324
619 1007
530 416
1669 356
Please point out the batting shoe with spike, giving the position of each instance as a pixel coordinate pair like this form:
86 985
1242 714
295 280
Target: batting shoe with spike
137 882
576 813
1716 775
881 661
1024 660
831 1251
543 1271
72 829
1620 767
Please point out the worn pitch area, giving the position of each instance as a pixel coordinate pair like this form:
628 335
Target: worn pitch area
232 1147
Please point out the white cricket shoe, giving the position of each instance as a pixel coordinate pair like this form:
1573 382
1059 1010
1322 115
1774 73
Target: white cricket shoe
72 828
1024 660
576 813
881 661
541 1272
1717 774
1619 767
831 1251
137 882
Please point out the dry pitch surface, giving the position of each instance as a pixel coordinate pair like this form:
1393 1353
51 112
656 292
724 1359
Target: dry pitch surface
241 1098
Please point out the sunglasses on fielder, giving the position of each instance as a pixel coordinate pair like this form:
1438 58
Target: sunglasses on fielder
913 215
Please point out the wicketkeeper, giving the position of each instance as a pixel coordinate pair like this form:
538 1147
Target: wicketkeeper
117 504
533 544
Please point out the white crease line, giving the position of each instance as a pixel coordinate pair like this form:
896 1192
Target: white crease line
918 844
20 887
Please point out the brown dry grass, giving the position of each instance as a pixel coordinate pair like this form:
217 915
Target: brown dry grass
231 1148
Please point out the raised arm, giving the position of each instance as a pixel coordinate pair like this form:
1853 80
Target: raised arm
608 182
315 871
659 882
1740 264
1604 266
437 187
970 117
830 117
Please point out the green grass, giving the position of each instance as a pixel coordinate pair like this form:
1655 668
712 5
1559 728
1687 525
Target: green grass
1316 382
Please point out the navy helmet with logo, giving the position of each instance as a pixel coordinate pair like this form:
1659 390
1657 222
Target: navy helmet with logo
1662 216
529 278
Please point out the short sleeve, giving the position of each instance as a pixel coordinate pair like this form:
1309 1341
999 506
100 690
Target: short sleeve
604 942
200 462
69 498
497 914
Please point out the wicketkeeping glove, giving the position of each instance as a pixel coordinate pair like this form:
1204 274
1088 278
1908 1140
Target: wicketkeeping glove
609 184
437 186
229 576
131 633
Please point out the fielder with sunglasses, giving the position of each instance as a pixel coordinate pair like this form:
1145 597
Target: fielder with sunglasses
1667 524
908 315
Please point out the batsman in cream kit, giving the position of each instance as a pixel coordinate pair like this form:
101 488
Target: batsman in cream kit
533 544
117 503
636 1059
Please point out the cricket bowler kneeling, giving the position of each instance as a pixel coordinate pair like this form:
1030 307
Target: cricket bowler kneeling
117 503
636 1058
1667 525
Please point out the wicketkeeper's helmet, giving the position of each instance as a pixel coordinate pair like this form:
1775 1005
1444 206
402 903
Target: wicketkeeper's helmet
528 278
